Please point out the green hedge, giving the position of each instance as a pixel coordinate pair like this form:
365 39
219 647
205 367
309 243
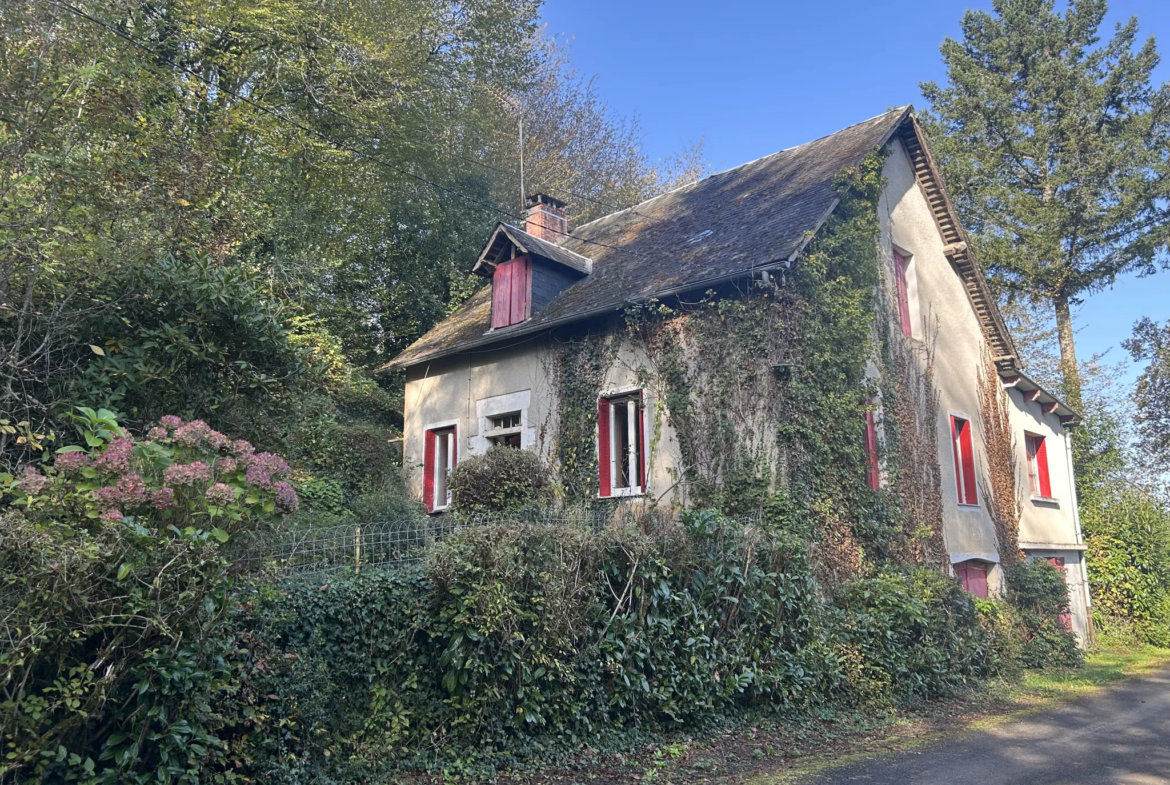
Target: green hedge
518 642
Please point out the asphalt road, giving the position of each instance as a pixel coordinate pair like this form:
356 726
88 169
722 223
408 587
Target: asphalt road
1121 737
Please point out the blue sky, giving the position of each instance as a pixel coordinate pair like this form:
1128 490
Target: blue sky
752 77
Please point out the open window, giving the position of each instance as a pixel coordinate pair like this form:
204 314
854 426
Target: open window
1038 481
620 445
964 460
873 472
439 458
902 286
512 292
504 430
973 575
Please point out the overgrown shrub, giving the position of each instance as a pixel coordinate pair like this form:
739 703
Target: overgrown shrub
515 641
501 479
913 634
1128 533
116 590
1039 594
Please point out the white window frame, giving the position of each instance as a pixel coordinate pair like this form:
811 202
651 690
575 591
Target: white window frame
495 406
632 447
451 428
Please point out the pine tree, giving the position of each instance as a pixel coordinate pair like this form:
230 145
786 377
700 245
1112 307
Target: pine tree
1056 148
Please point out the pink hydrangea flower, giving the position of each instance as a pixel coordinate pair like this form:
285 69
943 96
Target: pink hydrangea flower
286 498
192 434
71 462
257 475
170 422
187 473
217 441
156 434
227 465
112 515
162 499
242 447
220 494
107 496
133 490
32 481
273 464
115 459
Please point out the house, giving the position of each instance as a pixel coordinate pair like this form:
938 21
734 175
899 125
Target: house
487 375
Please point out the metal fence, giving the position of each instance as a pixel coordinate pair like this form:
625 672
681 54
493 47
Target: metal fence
387 543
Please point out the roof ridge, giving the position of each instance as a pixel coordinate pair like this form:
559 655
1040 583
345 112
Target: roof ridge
569 235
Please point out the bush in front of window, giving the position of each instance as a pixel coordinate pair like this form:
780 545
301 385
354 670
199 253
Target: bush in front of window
499 480
1039 594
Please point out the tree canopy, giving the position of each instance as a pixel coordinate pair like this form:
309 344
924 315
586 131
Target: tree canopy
1056 147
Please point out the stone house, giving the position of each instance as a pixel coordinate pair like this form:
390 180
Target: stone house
485 376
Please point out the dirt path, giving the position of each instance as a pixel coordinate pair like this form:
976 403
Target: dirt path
1120 736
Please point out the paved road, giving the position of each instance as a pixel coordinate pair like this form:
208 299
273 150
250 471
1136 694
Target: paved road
1121 737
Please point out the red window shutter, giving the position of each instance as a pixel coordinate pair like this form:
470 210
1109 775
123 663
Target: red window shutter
968 463
871 452
502 295
977 580
1042 468
903 293
961 574
429 471
605 489
521 288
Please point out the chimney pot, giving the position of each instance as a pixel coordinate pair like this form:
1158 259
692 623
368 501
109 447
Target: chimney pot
546 218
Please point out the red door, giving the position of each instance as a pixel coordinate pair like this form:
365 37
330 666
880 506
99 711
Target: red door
1058 563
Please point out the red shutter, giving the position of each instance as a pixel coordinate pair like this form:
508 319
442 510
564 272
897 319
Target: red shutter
429 471
502 295
903 293
517 310
968 463
871 452
1042 468
961 574
977 579
605 488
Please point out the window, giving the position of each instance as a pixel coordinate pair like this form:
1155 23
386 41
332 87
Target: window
871 451
620 434
973 575
903 293
512 292
439 458
964 460
1038 480
504 430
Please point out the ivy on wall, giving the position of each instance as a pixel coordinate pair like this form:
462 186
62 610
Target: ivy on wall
577 368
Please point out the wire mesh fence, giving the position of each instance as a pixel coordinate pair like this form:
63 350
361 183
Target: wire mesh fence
391 542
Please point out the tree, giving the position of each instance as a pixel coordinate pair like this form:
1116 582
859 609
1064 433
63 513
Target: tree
1151 342
1055 148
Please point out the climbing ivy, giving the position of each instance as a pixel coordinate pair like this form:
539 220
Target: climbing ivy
578 367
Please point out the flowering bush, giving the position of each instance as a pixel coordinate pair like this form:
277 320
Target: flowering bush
118 633
181 474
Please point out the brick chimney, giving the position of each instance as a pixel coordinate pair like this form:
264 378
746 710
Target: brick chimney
546 218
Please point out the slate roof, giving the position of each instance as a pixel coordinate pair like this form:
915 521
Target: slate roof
531 244
719 228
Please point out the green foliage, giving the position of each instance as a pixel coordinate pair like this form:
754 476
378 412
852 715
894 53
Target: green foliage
1127 530
911 634
115 562
502 478
1039 594
579 369
1151 343
514 642
1040 126
187 336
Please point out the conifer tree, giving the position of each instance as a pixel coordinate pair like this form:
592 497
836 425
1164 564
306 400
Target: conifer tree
1056 147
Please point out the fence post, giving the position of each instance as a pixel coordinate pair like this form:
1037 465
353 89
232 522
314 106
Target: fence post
357 550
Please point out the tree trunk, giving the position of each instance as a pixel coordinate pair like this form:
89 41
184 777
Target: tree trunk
1068 352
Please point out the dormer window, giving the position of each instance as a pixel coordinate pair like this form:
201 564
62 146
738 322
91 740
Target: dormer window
512 292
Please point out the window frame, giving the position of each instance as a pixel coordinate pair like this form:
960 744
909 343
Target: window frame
1036 459
963 450
608 464
501 436
902 290
449 432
